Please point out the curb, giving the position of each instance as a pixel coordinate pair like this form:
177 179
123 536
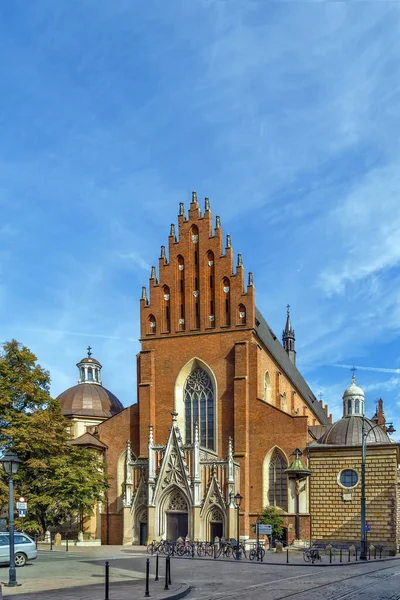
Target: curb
178 595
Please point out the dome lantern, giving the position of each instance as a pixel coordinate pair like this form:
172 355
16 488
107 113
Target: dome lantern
353 400
89 369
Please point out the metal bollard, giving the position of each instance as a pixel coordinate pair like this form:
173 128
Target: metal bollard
356 554
147 593
330 556
369 553
66 543
156 577
215 551
51 542
107 581
36 541
192 550
287 555
166 574
340 555
349 556
375 553
169 570
380 553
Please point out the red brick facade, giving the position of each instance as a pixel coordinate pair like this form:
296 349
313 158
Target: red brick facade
200 313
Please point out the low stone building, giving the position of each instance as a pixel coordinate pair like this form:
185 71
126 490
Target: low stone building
335 460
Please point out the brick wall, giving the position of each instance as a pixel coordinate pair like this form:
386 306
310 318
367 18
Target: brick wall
336 519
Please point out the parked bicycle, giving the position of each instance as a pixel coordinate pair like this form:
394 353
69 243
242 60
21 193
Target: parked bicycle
312 555
257 553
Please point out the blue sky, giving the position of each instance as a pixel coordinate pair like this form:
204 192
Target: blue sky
286 114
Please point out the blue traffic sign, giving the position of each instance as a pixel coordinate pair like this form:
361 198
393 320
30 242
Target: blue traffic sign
22 512
367 527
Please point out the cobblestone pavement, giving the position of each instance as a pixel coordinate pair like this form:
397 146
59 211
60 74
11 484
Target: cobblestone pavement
79 575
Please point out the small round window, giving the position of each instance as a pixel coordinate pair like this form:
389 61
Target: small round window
348 478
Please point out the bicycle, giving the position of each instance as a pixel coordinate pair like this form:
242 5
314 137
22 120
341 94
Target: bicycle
257 553
241 548
312 555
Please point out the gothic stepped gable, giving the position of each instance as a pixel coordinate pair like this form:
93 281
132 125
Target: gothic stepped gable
199 289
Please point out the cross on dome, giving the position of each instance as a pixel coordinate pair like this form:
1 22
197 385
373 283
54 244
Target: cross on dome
89 351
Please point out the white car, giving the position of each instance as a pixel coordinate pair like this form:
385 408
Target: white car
24 548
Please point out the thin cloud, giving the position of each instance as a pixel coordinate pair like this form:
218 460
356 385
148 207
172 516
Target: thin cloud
137 260
361 368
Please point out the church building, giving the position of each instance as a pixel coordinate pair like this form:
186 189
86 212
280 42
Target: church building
221 407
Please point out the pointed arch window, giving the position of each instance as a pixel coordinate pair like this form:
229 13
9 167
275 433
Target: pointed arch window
277 481
151 324
241 315
267 387
284 402
199 407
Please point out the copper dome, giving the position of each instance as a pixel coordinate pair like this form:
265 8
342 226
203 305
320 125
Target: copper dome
348 432
91 400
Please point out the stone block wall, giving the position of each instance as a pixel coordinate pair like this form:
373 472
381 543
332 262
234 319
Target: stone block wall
336 510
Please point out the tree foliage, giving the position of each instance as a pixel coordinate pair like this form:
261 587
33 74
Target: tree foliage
272 515
59 480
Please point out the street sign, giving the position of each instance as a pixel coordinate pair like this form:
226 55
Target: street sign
22 505
264 529
367 527
21 499
21 513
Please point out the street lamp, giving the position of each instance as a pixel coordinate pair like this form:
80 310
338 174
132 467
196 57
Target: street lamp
10 463
364 435
238 500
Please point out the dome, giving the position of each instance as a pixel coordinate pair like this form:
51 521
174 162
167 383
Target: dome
348 432
353 390
89 400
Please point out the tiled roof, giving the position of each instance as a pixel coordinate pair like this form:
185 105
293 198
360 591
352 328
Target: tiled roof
274 346
87 439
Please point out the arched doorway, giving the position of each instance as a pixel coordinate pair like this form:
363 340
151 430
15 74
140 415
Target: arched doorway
177 516
216 525
143 528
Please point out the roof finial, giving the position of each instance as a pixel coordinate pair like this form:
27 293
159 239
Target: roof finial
288 309
174 416
217 223
144 293
240 261
172 231
206 205
181 209
250 278
194 197
228 241
89 351
353 377
153 273
162 252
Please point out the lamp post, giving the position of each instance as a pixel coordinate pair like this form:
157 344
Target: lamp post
238 500
10 463
364 435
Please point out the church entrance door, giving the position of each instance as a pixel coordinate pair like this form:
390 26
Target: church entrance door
216 531
177 525
143 534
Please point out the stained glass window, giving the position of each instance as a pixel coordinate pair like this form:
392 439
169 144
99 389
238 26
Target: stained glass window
277 491
199 408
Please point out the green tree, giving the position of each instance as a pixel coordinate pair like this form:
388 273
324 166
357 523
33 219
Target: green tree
272 515
58 479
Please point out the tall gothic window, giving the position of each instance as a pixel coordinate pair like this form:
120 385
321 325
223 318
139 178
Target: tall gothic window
278 488
199 408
